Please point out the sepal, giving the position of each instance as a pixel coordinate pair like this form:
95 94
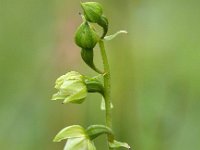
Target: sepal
74 131
88 56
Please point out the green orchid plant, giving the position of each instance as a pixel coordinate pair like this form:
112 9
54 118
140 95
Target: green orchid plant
74 87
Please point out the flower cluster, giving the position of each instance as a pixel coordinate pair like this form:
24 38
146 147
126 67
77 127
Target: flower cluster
73 87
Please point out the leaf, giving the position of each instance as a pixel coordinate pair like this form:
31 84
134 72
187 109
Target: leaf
74 131
117 144
94 131
110 37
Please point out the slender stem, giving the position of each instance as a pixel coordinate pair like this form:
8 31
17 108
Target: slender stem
107 87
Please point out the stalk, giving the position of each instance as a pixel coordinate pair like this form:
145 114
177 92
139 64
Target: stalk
107 87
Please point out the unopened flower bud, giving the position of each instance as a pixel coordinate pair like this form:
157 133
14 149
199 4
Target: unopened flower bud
93 12
86 37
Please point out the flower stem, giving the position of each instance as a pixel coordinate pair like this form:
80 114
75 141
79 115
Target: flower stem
107 87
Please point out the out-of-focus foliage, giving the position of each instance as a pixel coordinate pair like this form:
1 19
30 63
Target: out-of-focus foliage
155 73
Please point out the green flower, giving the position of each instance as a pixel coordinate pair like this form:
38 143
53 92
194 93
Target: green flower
71 88
77 138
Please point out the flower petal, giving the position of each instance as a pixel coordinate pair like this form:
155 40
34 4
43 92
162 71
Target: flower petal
76 144
79 144
77 97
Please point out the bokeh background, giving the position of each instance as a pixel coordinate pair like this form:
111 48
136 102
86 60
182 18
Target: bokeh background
155 73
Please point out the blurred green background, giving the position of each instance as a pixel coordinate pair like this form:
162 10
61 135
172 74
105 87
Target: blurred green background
155 73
